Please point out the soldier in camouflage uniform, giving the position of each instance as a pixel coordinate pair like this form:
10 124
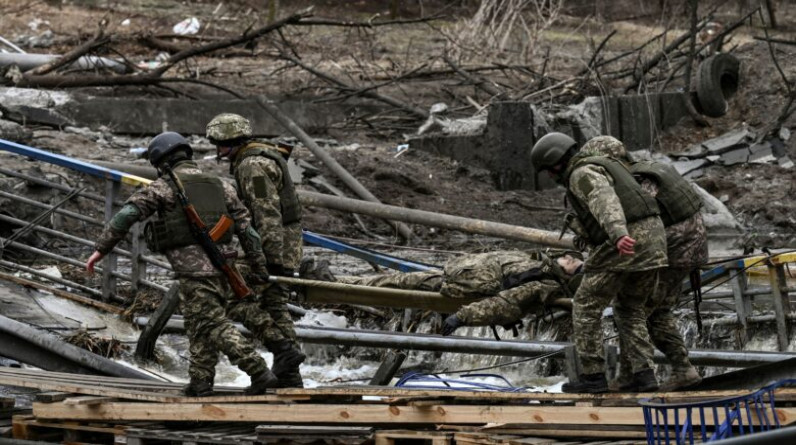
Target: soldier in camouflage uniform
203 289
511 283
686 240
265 187
627 248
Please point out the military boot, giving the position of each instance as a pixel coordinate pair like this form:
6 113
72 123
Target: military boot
198 388
260 382
313 269
590 383
286 357
643 381
681 377
290 379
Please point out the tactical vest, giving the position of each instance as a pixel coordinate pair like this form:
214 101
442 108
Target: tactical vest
636 203
171 230
288 200
677 199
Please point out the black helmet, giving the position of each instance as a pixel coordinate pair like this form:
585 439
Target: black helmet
550 149
164 145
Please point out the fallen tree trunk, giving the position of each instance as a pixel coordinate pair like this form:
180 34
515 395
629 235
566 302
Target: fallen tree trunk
433 219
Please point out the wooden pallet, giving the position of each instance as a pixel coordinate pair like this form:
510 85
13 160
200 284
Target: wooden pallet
27 427
308 434
388 437
193 434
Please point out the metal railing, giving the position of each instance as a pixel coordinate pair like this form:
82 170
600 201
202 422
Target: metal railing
105 205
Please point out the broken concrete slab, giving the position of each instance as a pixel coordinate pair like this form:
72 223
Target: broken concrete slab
12 97
713 158
587 116
27 115
785 162
762 156
737 156
716 215
760 146
694 174
728 141
694 151
684 167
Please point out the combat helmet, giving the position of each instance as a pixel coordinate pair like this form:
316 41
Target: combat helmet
550 150
166 145
228 127
607 145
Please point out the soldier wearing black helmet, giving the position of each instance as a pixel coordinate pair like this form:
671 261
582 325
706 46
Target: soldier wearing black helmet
265 187
203 289
627 247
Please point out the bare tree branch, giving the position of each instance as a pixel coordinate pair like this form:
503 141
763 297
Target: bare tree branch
76 53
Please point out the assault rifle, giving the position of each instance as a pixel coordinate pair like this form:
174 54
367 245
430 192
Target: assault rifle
206 238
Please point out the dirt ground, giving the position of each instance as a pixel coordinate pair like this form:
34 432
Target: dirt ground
762 196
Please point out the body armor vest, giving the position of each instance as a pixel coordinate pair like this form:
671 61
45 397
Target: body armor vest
171 230
636 203
677 199
288 200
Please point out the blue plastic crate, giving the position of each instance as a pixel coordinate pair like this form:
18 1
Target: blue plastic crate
717 419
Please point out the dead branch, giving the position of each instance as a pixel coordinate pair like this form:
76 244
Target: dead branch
76 53
369 23
376 86
153 77
419 112
773 40
590 65
221 44
476 80
786 110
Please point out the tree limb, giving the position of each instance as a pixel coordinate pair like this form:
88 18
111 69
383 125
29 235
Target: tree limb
476 80
76 53
689 105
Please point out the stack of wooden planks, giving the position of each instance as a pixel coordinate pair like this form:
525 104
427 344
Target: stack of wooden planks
353 414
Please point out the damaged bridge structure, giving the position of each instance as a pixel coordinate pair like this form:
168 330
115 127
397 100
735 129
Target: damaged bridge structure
121 403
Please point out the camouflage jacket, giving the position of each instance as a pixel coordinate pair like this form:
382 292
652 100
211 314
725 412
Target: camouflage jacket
189 261
593 186
264 205
686 241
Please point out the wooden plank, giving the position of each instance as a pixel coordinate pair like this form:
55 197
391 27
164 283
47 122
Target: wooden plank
367 414
532 441
88 400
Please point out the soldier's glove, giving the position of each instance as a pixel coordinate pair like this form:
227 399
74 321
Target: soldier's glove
278 269
260 275
580 243
450 324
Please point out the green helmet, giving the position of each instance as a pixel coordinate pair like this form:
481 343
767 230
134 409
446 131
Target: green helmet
550 149
608 146
228 126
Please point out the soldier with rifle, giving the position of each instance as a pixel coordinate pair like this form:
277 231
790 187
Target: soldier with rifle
188 203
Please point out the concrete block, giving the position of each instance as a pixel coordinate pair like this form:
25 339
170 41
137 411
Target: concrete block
728 141
611 123
760 146
695 174
737 156
684 167
762 156
694 151
146 116
785 162
14 132
28 115
672 109
638 120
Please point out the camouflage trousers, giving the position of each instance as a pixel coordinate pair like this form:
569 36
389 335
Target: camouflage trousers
426 281
292 246
508 306
203 304
266 317
631 291
661 323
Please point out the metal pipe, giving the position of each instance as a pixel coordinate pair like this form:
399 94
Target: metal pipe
55 186
469 345
751 319
396 213
27 341
76 263
52 278
748 293
27 62
433 219
42 205
82 241
327 159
